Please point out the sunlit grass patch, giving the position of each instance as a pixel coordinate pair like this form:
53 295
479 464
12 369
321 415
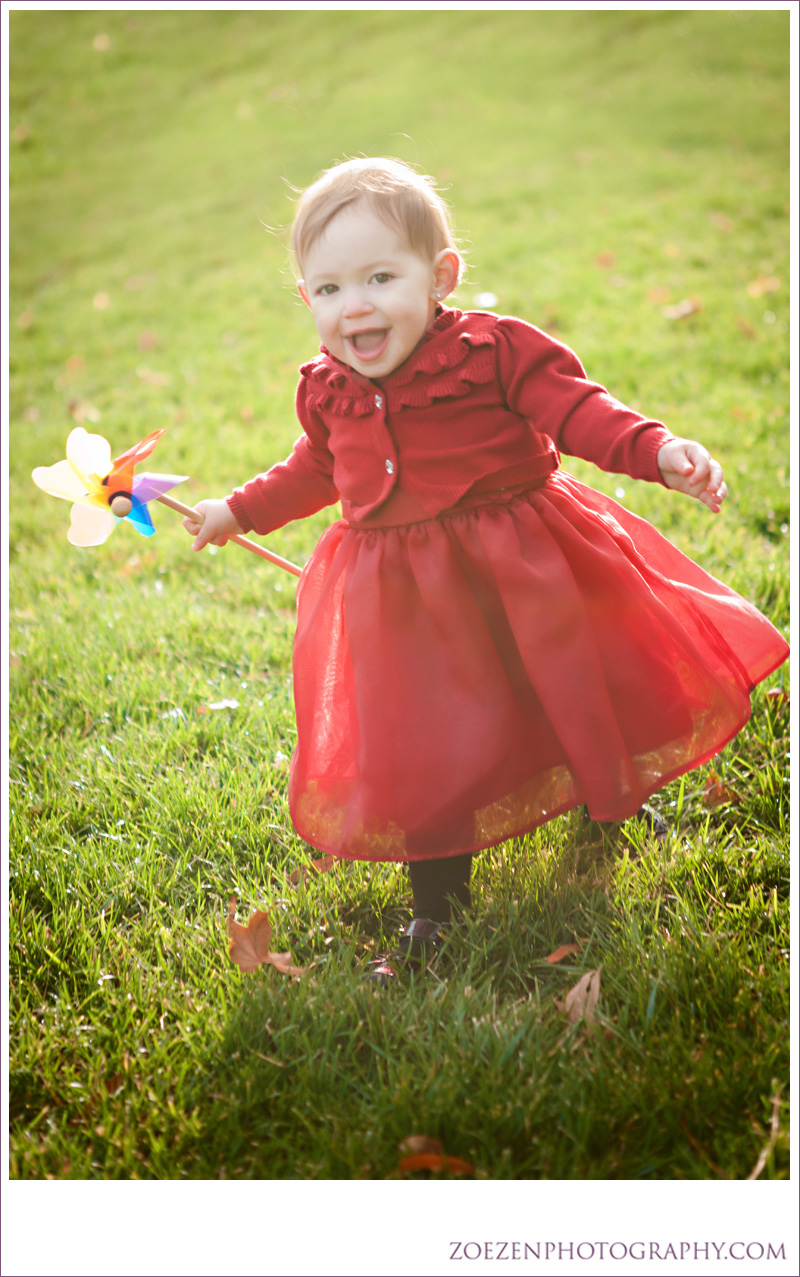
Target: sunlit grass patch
145 291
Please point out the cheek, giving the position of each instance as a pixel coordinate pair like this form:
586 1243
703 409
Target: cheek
322 318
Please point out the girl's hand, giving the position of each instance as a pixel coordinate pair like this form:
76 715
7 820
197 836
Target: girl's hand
218 524
687 467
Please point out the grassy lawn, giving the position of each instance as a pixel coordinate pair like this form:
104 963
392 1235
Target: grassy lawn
604 166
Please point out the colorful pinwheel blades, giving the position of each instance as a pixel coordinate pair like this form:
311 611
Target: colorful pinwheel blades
91 480
121 473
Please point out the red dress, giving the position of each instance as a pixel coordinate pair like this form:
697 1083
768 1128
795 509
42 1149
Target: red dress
464 676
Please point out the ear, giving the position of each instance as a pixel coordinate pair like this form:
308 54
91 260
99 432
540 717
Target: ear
303 291
446 270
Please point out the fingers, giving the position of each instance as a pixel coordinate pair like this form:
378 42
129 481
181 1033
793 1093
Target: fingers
206 536
701 464
715 491
705 482
212 524
687 466
201 532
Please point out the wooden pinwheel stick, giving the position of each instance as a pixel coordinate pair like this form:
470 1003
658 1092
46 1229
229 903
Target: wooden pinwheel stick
243 541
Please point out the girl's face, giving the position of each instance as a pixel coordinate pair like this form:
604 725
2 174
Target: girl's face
371 296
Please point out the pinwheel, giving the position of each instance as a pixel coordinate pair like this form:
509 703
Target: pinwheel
104 491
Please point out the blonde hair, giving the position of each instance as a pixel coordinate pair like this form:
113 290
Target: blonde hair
400 196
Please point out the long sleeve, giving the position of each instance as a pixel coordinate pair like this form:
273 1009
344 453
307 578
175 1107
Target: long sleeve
544 381
294 488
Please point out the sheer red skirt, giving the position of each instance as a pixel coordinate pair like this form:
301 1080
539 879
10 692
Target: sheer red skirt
461 680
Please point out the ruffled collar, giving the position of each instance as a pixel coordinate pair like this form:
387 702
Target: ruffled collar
455 353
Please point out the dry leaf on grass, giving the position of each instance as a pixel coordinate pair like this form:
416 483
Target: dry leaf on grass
151 376
581 1001
764 284
250 946
689 306
413 1144
563 951
321 866
426 1153
777 698
715 794
436 1162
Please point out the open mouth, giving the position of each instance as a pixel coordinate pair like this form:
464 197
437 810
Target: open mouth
370 343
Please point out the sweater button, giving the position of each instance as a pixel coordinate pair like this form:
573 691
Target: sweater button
378 401
389 466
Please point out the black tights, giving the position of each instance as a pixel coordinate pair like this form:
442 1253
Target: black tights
435 882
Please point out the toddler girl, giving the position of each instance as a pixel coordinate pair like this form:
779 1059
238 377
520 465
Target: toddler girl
483 643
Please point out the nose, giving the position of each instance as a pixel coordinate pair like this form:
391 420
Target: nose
356 302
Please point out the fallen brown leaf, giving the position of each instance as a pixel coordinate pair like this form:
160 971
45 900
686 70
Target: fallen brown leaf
79 410
414 1144
436 1162
777 698
715 794
321 866
764 284
562 951
283 962
689 306
151 377
250 946
581 1001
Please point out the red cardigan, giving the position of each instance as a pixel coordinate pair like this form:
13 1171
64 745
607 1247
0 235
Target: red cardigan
484 399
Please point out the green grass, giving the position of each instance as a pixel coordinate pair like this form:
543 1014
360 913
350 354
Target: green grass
144 172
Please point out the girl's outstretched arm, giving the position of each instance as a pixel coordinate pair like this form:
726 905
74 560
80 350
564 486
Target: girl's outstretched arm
688 467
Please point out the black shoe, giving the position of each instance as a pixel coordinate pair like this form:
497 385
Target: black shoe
656 824
421 941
